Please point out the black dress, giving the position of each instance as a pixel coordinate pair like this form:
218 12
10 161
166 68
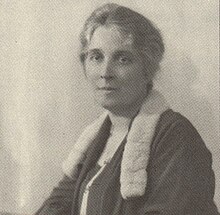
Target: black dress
180 177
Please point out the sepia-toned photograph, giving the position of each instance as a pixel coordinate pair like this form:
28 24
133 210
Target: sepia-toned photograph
109 107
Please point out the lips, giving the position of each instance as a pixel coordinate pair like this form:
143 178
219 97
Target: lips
107 88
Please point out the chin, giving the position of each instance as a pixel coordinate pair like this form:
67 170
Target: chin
110 105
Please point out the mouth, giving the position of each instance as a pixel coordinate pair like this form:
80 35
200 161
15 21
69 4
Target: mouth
107 88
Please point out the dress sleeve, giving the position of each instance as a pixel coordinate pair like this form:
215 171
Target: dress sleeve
181 180
60 199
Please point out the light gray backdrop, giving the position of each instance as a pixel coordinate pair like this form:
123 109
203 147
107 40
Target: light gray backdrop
45 101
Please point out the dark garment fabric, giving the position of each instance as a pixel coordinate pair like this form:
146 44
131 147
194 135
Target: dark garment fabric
180 176
95 190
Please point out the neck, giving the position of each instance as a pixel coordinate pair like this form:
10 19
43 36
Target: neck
122 117
119 123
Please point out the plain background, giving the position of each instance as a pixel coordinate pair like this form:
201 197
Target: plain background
45 101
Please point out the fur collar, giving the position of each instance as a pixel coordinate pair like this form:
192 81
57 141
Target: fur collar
135 157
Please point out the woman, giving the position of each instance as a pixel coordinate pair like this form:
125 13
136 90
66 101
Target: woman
139 157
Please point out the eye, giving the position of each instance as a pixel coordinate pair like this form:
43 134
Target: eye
124 59
95 57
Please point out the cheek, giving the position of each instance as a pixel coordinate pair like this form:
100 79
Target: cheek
136 85
135 77
91 74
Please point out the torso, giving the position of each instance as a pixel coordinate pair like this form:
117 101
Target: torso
111 146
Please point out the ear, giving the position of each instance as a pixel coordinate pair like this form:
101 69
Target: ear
82 57
82 60
151 69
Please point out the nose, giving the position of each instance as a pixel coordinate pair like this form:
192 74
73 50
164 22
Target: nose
107 71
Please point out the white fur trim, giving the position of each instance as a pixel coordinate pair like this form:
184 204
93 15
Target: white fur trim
135 157
77 154
137 149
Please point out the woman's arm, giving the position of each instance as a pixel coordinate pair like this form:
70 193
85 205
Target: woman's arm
181 179
61 199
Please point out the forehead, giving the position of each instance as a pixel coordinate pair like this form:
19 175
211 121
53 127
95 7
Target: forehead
111 38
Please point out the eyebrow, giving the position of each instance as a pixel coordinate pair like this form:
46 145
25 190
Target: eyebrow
91 51
117 53
123 52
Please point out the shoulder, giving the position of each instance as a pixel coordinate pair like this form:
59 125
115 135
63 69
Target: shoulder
171 118
174 131
171 121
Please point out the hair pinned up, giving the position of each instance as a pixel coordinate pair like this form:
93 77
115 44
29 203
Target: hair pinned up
146 36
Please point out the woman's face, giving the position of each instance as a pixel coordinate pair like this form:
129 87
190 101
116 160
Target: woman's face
115 69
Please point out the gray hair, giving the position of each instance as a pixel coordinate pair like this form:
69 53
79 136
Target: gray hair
147 38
